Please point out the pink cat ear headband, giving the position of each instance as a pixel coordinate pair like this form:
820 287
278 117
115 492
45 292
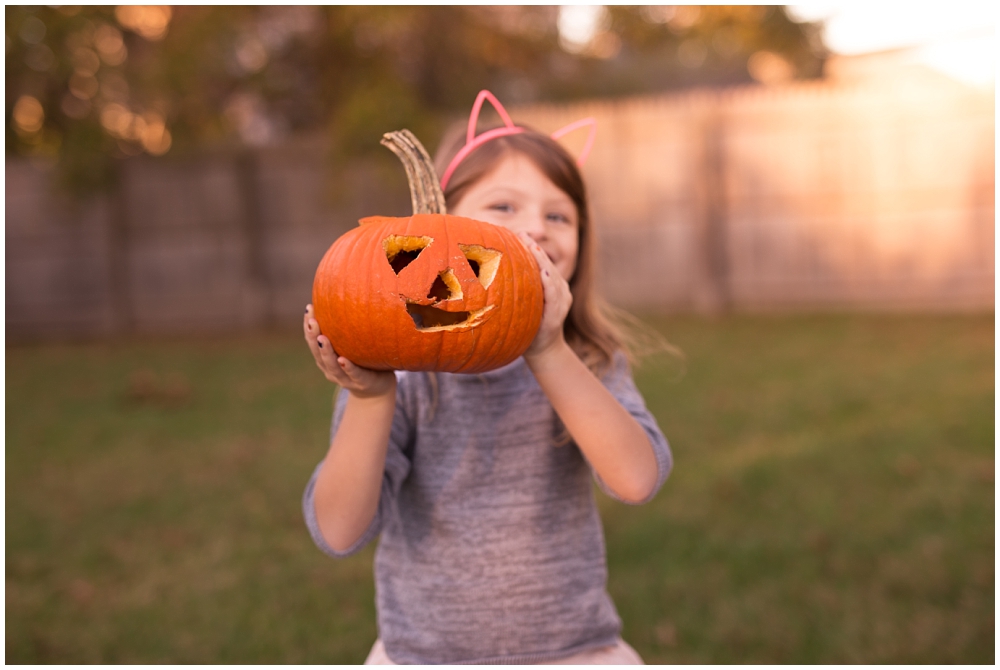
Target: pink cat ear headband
472 141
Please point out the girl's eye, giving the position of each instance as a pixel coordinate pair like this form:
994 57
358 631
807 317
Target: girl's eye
556 217
501 207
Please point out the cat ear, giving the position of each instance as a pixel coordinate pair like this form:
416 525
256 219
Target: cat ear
565 130
471 140
478 105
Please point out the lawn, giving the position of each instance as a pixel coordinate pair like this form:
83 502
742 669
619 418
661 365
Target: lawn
832 500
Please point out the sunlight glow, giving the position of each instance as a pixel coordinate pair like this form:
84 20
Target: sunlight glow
957 39
578 24
971 60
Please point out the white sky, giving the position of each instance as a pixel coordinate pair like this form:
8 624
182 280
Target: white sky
862 27
956 38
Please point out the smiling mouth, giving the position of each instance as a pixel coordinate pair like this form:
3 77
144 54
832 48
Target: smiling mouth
431 319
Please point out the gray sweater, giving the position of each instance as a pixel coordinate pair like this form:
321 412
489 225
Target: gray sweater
491 546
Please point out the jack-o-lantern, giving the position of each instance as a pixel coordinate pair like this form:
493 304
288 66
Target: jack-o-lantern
430 291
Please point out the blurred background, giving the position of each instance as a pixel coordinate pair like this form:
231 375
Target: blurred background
801 198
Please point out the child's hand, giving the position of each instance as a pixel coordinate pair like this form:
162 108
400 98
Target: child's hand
558 300
361 382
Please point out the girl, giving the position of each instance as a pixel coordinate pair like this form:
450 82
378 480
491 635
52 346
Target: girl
491 546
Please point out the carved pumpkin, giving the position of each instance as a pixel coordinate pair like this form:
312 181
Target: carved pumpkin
429 291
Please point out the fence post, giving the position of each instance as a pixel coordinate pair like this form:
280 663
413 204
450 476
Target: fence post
119 275
259 290
712 294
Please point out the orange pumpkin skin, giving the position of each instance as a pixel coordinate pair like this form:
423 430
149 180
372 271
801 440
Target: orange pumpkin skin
490 308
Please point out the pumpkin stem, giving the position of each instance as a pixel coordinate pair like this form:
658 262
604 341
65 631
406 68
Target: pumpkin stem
425 188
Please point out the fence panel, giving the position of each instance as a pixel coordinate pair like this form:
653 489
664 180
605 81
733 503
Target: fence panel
57 264
865 195
860 194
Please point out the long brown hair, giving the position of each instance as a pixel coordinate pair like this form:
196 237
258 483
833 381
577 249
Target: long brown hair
590 328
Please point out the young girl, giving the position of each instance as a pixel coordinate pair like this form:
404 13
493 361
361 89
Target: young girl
491 546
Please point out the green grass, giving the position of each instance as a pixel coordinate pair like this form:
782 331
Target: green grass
832 500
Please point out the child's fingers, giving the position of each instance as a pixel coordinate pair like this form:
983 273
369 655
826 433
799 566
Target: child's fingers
322 350
359 375
310 327
335 367
551 279
558 300
545 264
550 288
527 241
310 330
555 289
327 355
366 382
327 360
349 368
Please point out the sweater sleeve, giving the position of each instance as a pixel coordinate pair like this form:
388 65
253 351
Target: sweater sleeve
397 467
619 381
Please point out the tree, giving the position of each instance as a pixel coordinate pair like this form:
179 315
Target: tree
90 86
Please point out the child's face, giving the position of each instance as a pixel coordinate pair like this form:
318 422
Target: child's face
519 197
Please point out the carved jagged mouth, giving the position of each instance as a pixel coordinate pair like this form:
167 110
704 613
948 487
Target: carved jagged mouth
430 319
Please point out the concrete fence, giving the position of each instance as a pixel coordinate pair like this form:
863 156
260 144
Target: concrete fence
845 194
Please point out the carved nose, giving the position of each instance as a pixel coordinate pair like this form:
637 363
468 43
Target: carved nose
445 287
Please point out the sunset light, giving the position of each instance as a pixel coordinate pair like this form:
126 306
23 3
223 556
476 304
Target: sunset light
957 39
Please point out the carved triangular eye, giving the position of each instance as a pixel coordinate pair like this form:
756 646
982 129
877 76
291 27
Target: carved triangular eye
401 250
484 262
